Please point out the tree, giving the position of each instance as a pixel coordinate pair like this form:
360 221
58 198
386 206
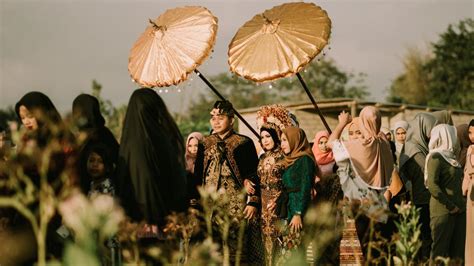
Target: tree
412 85
451 71
444 79
114 116
324 78
197 119
327 80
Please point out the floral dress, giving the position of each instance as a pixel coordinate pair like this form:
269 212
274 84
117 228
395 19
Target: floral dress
105 187
270 174
102 187
373 203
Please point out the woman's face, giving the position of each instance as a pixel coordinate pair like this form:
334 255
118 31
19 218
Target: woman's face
285 145
193 146
266 140
388 136
354 132
27 118
322 144
95 166
400 135
471 134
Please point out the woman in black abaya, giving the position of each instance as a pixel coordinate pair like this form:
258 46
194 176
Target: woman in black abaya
151 176
39 116
45 128
92 131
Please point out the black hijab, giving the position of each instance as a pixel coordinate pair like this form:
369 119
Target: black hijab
86 112
88 118
50 127
40 106
151 177
274 134
43 110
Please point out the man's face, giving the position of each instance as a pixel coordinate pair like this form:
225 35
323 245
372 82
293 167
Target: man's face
220 123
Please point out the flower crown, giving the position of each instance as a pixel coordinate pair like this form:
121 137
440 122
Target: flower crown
273 116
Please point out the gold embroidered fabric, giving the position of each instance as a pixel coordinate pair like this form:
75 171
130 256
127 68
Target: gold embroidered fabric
270 175
218 175
231 143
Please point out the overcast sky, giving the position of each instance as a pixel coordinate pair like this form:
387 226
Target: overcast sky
59 47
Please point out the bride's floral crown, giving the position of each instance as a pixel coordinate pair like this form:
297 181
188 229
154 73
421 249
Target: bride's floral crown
273 116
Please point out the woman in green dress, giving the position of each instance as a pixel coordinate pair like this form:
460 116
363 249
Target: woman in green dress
300 170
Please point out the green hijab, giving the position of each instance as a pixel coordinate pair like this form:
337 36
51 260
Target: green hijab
418 136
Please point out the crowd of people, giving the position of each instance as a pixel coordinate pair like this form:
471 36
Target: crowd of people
153 171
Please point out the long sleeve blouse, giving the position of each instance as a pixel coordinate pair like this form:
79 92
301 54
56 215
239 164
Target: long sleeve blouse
297 181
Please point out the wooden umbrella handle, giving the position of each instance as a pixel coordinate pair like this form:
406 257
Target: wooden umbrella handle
314 102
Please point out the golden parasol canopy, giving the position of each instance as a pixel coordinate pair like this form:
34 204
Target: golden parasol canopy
279 42
172 46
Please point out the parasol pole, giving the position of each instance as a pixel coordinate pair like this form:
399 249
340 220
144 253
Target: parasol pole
224 99
314 102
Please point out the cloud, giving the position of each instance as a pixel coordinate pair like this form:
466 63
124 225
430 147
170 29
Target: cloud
60 46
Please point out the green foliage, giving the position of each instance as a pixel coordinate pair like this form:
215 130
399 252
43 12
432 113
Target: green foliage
93 221
427 80
28 186
452 68
326 80
412 85
408 242
197 117
114 116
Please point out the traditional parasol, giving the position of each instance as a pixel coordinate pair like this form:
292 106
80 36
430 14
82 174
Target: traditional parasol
172 47
279 43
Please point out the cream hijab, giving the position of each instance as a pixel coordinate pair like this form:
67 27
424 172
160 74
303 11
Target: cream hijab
443 140
371 156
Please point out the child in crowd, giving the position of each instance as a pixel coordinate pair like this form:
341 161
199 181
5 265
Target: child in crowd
100 169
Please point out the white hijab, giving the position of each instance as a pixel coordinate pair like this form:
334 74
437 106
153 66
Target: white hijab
399 146
400 124
443 140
